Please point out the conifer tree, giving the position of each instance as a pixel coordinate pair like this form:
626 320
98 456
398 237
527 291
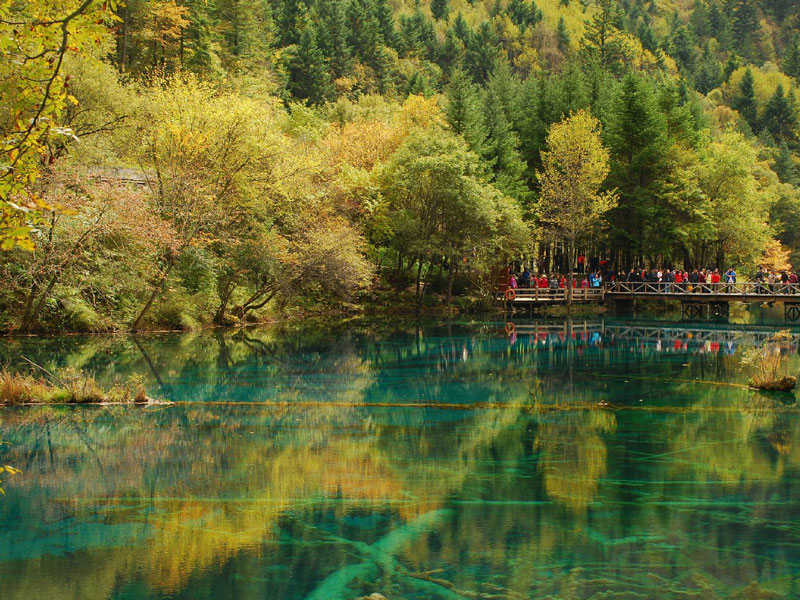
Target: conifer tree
733 63
562 35
602 38
647 37
791 62
482 53
463 111
784 165
462 30
309 77
745 25
636 135
386 27
332 36
440 9
780 117
745 102
363 31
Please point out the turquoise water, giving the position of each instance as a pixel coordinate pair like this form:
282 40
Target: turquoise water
597 459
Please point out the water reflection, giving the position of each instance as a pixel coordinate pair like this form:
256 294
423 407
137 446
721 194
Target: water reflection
420 463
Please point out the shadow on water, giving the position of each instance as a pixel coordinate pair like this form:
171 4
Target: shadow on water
419 461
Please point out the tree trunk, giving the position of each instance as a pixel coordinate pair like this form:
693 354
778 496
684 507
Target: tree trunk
156 292
219 317
570 245
451 275
419 277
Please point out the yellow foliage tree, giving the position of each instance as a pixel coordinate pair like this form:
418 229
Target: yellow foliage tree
35 38
574 167
776 257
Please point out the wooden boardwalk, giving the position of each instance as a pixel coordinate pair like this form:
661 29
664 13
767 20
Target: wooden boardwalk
696 299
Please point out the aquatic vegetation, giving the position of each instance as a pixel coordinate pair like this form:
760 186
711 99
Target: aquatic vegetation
70 386
767 364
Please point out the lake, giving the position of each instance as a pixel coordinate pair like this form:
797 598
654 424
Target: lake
587 459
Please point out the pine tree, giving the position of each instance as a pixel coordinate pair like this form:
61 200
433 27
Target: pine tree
745 102
383 12
482 53
440 9
647 37
784 165
562 36
463 111
501 147
780 117
363 31
452 51
332 36
603 39
292 12
309 77
248 33
637 136
791 62
733 63
520 13
462 30
418 85
709 75
745 25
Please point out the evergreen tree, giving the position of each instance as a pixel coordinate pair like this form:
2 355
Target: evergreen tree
745 102
463 111
418 85
780 117
440 9
745 25
647 37
452 51
637 137
332 36
383 12
462 30
720 25
791 62
733 63
363 31
249 32
200 50
603 39
291 14
682 47
784 165
562 36
309 77
418 35
482 53
501 148
521 13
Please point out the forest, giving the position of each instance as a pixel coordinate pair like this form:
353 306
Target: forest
172 164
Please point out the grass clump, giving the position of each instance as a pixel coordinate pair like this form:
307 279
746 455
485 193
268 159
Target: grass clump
767 364
69 387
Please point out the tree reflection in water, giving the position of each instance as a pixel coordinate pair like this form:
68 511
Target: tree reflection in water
559 466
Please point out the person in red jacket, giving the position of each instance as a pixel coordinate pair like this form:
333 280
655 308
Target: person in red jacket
715 277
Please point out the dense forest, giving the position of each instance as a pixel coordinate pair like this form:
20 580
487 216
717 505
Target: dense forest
171 164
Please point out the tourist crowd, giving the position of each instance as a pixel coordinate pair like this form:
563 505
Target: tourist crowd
673 280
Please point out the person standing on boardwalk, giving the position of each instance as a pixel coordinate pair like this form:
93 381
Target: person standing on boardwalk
581 263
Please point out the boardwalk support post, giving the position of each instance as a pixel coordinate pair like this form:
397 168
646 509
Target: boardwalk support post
791 312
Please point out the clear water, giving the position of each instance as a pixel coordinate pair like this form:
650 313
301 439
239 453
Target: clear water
609 459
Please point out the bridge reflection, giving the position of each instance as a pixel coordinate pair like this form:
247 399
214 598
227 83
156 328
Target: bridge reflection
695 338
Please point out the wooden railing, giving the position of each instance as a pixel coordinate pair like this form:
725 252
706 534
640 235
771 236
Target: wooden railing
555 295
746 289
